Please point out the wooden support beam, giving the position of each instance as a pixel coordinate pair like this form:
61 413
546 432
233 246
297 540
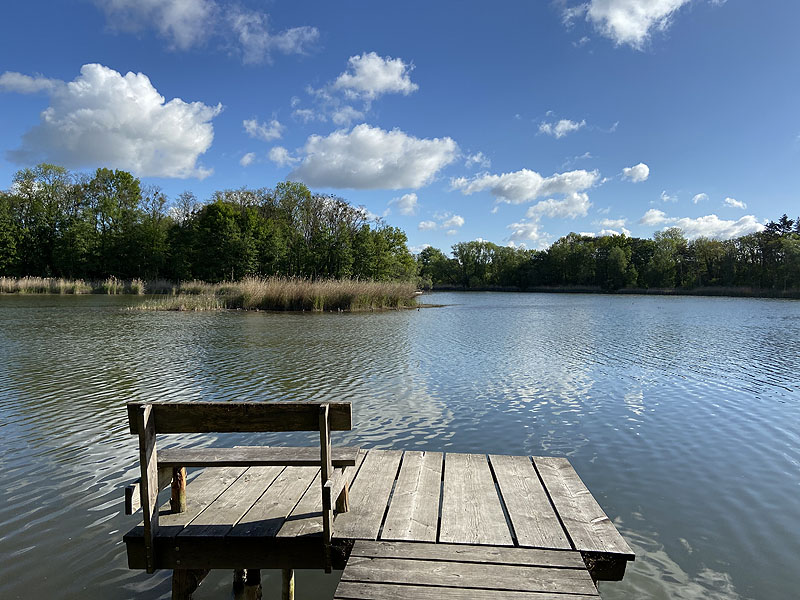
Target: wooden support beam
287 584
326 470
133 492
177 501
148 461
185 582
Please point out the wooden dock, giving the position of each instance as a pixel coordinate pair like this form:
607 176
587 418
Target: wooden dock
518 515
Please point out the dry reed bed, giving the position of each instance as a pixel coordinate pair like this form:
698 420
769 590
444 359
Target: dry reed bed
289 294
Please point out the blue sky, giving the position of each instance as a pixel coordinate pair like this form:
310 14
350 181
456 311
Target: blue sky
513 122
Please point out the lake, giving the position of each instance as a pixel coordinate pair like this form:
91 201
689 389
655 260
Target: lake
681 414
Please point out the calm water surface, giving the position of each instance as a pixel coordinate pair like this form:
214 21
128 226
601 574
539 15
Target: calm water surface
682 415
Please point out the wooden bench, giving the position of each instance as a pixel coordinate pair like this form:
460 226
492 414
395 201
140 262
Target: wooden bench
160 469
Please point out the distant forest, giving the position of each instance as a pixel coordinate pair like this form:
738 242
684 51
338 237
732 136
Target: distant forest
55 223
767 260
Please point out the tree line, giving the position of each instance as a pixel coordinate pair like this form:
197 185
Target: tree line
766 260
56 223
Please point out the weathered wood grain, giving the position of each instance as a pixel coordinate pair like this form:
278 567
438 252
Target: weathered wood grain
471 510
253 456
532 516
369 495
587 525
357 590
469 575
222 514
148 484
306 518
269 512
531 557
224 417
414 509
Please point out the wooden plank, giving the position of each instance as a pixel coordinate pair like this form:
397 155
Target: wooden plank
587 525
532 557
269 512
148 484
223 513
200 493
326 470
369 495
469 575
471 510
414 510
226 417
306 518
356 590
253 456
532 516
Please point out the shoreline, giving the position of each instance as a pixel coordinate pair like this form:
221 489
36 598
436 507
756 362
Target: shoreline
726 292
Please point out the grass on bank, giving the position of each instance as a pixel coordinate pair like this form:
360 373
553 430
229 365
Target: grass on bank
276 293
288 294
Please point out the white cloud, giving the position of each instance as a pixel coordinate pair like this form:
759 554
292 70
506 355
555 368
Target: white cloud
526 185
628 22
372 158
734 203
571 206
281 157
426 225
451 232
10 81
710 226
189 23
369 76
105 118
665 197
637 173
612 223
561 128
306 114
258 43
653 217
699 198
528 231
346 115
263 131
454 221
406 204
480 159
247 159
418 249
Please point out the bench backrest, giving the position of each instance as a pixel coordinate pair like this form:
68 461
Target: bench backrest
229 417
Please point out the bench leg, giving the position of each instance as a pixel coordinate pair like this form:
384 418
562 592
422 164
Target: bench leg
185 582
287 589
177 501
247 584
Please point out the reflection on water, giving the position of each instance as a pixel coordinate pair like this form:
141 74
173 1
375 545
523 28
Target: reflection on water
681 414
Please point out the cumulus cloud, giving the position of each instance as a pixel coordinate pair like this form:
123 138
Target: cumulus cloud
665 197
427 225
247 159
372 158
257 42
405 204
571 206
561 128
346 115
699 198
528 232
628 22
105 118
454 221
479 159
734 203
653 217
281 157
263 131
612 223
526 185
306 114
11 81
636 173
710 226
369 76
189 23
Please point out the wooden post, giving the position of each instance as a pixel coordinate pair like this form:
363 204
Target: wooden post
326 471
177 501
148 462
287 589
185 582
252 585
